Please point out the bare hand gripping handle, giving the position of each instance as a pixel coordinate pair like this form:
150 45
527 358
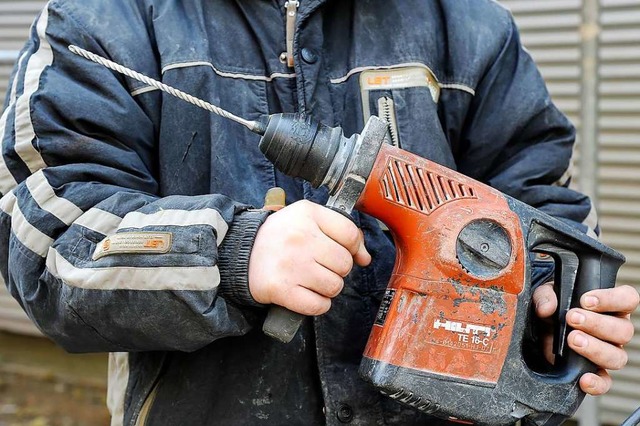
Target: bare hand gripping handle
281 323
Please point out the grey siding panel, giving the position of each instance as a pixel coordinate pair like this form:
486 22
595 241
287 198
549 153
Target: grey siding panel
554 33
550 32
12 318
619 172
5 72
15 20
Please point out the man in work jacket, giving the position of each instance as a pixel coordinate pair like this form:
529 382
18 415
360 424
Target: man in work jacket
89 154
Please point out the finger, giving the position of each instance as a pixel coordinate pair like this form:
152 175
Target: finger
362 257
332 256
323 281
547 348
619 299
545 300
603 354
596 384
612 329
303 301
341 230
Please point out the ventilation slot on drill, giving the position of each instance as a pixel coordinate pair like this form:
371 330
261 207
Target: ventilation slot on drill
409 398
419 189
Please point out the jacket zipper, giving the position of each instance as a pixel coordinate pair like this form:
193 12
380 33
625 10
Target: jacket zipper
292 14
146 406
387 112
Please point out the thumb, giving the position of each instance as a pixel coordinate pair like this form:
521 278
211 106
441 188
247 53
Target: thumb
362 256
545 300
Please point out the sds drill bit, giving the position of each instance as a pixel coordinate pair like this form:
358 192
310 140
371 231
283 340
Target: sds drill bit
255 126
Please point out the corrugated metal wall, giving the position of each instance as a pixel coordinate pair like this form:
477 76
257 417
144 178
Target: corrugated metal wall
619 167
589 53
15 20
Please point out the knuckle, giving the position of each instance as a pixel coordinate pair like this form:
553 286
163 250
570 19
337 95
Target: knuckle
617 360
335 287
302 208
282 265
352 236
283 296
304 204
600 388
627 333
633 295
319 307
545 290
622 360
627 294
347 264
297 235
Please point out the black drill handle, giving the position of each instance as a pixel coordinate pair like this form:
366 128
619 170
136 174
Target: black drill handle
596 271
281 323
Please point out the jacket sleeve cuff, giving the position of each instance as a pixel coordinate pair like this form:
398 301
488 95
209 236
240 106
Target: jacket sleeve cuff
542 272
233 257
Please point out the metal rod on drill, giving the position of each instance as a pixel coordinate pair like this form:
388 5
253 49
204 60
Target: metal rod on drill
254 126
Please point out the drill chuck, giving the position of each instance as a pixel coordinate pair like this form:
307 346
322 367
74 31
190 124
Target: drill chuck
299 146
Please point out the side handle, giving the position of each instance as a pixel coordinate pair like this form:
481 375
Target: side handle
596 270
281 323
582 264
566 271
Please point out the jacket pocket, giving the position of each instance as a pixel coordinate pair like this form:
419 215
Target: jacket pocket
407 98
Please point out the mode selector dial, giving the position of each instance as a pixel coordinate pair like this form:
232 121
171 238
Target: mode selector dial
483 248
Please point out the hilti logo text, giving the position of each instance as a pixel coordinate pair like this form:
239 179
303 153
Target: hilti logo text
474 334
458 327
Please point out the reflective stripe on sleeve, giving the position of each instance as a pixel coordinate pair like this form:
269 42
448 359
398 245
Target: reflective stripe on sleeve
176 278
30 236
24 131
100 221
45 197
7 181
209 217
7 202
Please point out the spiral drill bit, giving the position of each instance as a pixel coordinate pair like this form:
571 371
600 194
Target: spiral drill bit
254 126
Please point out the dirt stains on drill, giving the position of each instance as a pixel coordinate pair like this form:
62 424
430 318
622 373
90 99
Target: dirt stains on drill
490 299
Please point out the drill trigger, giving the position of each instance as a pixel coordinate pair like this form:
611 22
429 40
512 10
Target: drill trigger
566 269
